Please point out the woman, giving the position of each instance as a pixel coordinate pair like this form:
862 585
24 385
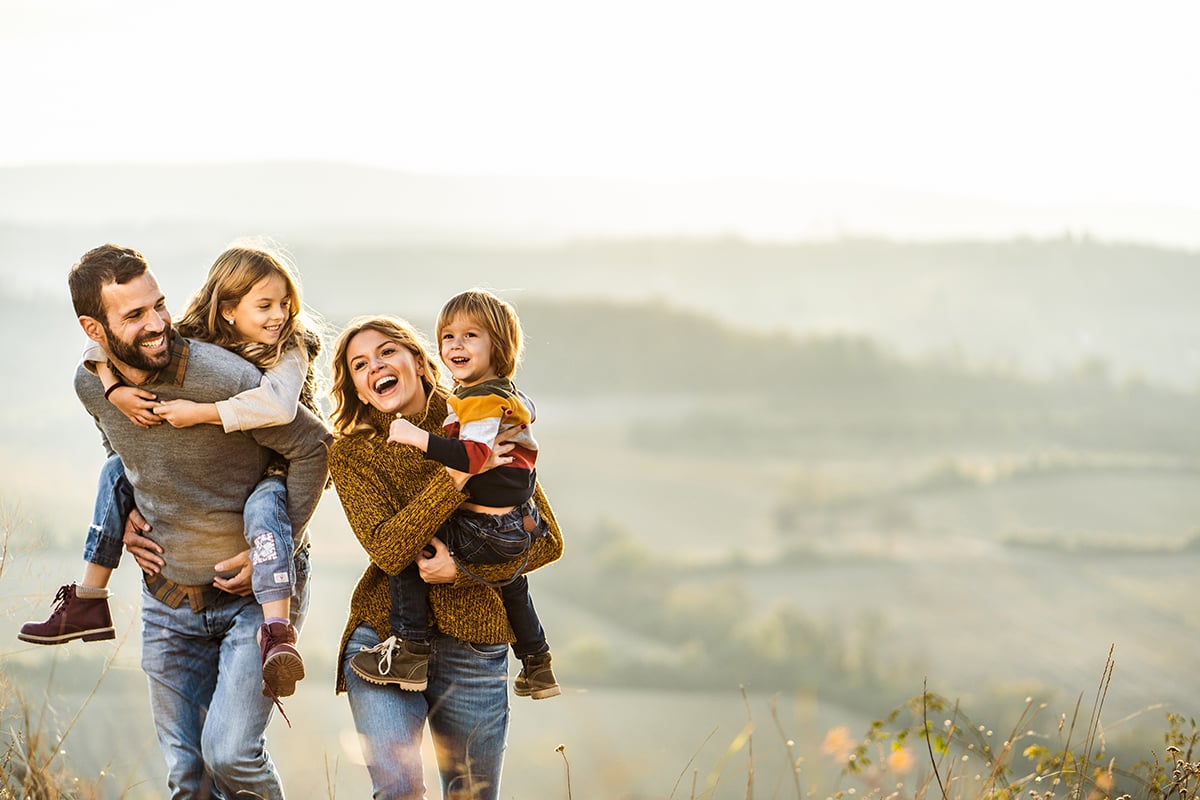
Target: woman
395 500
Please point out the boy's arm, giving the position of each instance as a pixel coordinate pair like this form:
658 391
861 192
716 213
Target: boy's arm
464 456
457 454
473 425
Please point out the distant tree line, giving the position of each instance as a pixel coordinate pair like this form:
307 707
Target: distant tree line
773 392
686 628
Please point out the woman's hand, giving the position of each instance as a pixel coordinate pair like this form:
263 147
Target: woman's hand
497 458
136 404
439 567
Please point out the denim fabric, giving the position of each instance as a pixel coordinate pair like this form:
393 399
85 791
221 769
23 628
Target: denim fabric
409 616
269 534
205 672
527 628
490 538
476 538
466 705
114 499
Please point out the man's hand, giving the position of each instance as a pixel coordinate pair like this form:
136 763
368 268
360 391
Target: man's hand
438 568
145 551
239 584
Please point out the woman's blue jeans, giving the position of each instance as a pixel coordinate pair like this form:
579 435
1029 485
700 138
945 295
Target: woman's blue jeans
466 705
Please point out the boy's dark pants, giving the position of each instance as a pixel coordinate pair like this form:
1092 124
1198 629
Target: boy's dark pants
475 538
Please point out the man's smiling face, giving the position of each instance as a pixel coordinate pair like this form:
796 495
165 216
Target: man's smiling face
137 325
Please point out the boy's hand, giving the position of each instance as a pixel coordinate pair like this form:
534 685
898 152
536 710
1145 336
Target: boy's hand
404 432
136 404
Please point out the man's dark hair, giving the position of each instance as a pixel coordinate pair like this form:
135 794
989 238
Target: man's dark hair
108 263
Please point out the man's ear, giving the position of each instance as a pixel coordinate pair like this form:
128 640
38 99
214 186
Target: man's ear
94 330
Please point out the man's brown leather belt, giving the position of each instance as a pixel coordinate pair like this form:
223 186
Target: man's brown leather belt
173 594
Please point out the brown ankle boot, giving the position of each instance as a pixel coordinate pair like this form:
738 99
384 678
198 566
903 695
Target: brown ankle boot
282 665
394 661
74 617
537 678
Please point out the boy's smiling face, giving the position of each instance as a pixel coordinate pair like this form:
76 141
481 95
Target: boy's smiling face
466 350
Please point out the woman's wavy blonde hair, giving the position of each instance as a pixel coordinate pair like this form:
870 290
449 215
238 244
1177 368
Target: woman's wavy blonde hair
350 414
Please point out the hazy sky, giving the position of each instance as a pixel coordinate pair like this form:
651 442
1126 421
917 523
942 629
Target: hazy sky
1033 102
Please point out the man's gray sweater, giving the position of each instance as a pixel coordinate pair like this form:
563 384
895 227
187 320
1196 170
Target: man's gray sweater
192 483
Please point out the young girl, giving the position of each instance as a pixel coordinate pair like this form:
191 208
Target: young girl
480 343
251 305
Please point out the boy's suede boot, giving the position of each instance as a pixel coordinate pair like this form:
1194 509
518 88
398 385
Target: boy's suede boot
394 661
74 617
537 678
282 665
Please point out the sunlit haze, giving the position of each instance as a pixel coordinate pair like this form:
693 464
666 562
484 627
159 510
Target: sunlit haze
1028 103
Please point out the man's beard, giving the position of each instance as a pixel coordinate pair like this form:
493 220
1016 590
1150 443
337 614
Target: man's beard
131 353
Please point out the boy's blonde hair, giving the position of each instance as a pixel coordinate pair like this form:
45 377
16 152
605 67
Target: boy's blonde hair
494 315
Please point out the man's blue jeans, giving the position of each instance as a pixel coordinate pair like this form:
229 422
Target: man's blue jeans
205 672
467 708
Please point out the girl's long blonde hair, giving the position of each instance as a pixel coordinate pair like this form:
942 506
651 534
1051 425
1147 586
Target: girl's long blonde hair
235 272
350 414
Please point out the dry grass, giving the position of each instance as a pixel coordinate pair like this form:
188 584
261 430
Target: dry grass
907 755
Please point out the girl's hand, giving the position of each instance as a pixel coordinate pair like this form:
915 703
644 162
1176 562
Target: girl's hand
185 413
136 404
438 568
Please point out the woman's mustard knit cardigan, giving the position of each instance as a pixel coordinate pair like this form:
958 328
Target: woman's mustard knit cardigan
395 500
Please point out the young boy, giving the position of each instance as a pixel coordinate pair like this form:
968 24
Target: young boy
480 339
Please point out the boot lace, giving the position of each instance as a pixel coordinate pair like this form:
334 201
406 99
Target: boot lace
61 601
267 642
385 649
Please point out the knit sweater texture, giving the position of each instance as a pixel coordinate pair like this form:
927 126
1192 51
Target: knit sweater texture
395 500
191 484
